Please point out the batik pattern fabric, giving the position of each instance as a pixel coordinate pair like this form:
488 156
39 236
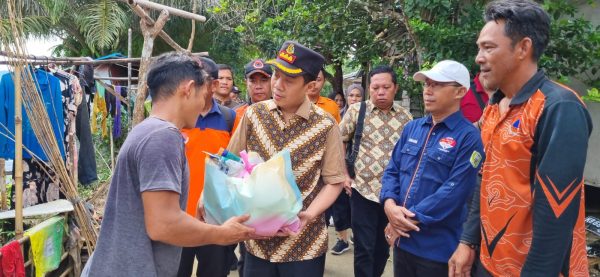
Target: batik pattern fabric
268 134
381 131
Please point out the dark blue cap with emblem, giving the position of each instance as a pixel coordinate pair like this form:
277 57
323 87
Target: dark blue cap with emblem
257 66
295 59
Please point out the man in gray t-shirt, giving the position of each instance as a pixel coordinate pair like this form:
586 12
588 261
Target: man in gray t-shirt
145 224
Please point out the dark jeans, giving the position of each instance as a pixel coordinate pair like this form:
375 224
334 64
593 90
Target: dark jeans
257 267
341 212
371 250
409 265
480 271
213 261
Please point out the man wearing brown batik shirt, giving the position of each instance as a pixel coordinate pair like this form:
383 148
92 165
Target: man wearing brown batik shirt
291 121
383 124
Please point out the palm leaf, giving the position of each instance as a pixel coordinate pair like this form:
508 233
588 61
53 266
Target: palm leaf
102 23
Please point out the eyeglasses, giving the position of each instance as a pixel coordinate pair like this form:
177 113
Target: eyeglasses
435 85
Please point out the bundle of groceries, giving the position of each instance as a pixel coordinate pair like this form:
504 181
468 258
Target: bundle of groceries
246 184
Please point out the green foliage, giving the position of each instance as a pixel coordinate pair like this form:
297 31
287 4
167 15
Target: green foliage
102 23
593 95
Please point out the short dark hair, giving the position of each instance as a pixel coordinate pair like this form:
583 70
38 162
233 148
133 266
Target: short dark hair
210 67
523 18
308 77
169 70
225 67
384 69
333 94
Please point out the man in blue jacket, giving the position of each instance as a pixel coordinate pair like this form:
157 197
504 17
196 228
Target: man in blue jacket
431 175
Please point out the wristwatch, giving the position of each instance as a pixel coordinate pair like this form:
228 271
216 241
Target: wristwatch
470 245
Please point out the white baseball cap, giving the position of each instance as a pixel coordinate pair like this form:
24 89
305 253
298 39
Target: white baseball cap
446 71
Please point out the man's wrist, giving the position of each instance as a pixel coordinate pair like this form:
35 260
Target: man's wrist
389 202
471 245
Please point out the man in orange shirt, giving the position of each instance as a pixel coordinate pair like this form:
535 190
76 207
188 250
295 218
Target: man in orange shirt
258 86
212 132
529 216
324 103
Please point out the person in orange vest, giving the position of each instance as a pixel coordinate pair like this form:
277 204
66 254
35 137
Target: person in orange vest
212 132
258 85
314 95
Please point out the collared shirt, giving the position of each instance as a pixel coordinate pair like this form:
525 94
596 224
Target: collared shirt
532 190
432 172
210 135
381 131
329 106
330 170
314 141
469 105
48 87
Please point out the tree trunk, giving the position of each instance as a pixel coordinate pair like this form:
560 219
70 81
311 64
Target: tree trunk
337 81
150 32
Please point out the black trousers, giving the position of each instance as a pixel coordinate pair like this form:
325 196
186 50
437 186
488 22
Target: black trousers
340 211
242 259
257 267
409 265
213 261
371 250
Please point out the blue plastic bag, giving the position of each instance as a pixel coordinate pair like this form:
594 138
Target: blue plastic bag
269 194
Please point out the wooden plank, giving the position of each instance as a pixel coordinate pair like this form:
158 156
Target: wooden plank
171 10
113 92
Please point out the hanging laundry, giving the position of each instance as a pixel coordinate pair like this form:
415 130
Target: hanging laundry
38 185
86 164
102 111
71 98
12 263
117 114
49 88
46 244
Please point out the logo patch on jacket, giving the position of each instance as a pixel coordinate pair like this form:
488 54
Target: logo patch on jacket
475 159
447 143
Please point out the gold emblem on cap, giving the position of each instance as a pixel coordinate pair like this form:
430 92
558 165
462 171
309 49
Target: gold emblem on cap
290 49
288 54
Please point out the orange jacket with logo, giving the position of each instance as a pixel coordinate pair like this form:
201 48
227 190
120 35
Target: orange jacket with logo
210 135
532 190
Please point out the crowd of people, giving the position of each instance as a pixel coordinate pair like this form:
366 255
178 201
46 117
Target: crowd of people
488 183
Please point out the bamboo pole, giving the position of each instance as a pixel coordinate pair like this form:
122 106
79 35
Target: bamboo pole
160 7
42 127
129 54
3 205
115 78
18 163
112 149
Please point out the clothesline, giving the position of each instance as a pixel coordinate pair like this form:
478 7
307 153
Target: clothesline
43 60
